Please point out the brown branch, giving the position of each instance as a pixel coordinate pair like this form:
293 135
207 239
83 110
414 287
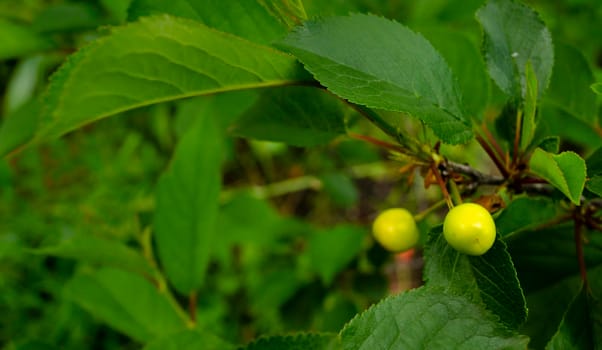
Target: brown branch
579 248
498 162
192 303
441 183
477 176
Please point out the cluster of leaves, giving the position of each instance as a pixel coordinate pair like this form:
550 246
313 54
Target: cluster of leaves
189 260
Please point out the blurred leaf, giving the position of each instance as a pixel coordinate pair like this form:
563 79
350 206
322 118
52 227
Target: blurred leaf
594 163
546 309
117 8
569 88
18 40
524 213
23 83
302 341
127 302
595 185
595 303
596 88
297 116
464 59
189 340
428 318
400 71
19 127
490 277
157 59
187 203
340 189
247 19
530 107
67 17
291 12
575 330
328 261
565 171
557 122
95 250
547 256
513 35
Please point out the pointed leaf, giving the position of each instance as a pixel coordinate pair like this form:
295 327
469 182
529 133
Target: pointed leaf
247 19
189 340
428 318
565 171
100 251
187 202
513 35
530 107
318 341
382 64
157 59
296 116
575 330
490 277
127 302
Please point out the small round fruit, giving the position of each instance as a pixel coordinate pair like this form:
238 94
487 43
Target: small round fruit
470 229
395 229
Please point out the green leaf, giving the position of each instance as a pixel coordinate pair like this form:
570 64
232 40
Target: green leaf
575 330
428 318
550 144
555 121
569 88
297 116
95 250
464 59
594 163
596 88
303 341
328 262
187 203
565 171
524 213
19 127
154 60
340 188
189 340
513 35
18 40
595 185
490 278
546 256
67 17
530 107
246 19
400 71
126 302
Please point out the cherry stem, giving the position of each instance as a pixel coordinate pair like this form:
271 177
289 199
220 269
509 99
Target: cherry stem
517 137
441 183
498 163
579 248
192 302
376 142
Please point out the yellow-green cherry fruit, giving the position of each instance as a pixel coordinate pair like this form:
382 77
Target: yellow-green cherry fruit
395 229
470 229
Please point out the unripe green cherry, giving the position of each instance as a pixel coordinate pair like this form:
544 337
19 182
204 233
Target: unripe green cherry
470 229
395 229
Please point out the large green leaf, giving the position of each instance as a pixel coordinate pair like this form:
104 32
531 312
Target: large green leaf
100 251
127 302
189 340
558 122
296 116
565 171
428 318
317 341
513 35
570 85
247 19
157 59
379 63
187 202
18 40
575 330
524 213
467 65
490 277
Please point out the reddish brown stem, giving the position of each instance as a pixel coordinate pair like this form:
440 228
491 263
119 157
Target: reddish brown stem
493 142
441 183
517 138
376 142
192 302
579 249
496 160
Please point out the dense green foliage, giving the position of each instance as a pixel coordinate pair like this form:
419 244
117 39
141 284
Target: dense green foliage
204 174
